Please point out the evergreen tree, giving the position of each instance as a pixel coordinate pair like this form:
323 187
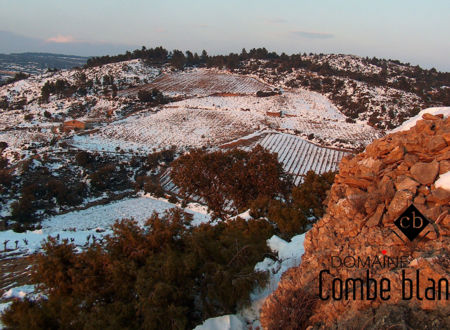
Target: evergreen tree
178 59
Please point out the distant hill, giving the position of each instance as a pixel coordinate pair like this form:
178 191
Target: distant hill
33 63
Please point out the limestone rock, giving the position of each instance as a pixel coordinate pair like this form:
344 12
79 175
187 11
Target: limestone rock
369 193
395 155
400 202
429 116
375 219
439 196
411 159
444 166
406 183
436 143
425 173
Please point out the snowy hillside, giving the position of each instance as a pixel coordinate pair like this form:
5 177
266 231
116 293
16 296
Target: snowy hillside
82 148
214 120
203 82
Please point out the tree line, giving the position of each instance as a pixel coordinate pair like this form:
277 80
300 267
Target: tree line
424 83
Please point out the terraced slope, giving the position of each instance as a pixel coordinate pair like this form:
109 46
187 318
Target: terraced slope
202 83
299 156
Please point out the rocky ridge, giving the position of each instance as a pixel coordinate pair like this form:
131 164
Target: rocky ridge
370 192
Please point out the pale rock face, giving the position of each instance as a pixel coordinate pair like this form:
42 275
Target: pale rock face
371 190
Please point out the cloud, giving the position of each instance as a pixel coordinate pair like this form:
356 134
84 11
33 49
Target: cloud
312 35
15 43
60 39
160 30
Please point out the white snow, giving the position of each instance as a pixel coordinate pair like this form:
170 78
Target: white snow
292 250
30 241
225 322
244 215
77 226
412 121
289 255
3 306
443 181
18 292
140 209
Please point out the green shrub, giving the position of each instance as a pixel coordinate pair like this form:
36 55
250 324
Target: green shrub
234 176
290 220
165 275
102 178
83 158
312 192
293 214
23 210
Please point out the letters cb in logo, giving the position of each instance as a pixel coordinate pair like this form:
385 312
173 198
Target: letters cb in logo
411 222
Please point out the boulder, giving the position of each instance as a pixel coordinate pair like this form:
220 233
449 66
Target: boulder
395 155
436 143
429 116
406 183
425 173
400 202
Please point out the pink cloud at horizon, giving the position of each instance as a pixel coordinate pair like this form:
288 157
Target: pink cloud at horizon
60 39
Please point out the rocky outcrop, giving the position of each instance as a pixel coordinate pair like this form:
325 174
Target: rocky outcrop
370 192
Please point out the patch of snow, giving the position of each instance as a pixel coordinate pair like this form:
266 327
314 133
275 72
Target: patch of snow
18 292
412 121
140 209
225 322
287 250
3 307
245 215
289 255
443 181
78 226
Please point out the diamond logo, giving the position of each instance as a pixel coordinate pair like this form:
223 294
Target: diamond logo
411 222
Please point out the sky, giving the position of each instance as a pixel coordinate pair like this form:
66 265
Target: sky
414 31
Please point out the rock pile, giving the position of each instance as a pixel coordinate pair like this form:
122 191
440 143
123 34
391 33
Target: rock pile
370 192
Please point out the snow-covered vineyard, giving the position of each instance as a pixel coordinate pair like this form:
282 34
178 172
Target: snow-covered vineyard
203 83
296 155
299 156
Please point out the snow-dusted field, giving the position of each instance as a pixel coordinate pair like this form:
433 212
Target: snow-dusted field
298 156
302 103
214 120
172 126
302 111
206 82
78 225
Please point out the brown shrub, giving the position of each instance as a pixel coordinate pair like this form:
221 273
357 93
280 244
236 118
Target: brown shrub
231 179
289 309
